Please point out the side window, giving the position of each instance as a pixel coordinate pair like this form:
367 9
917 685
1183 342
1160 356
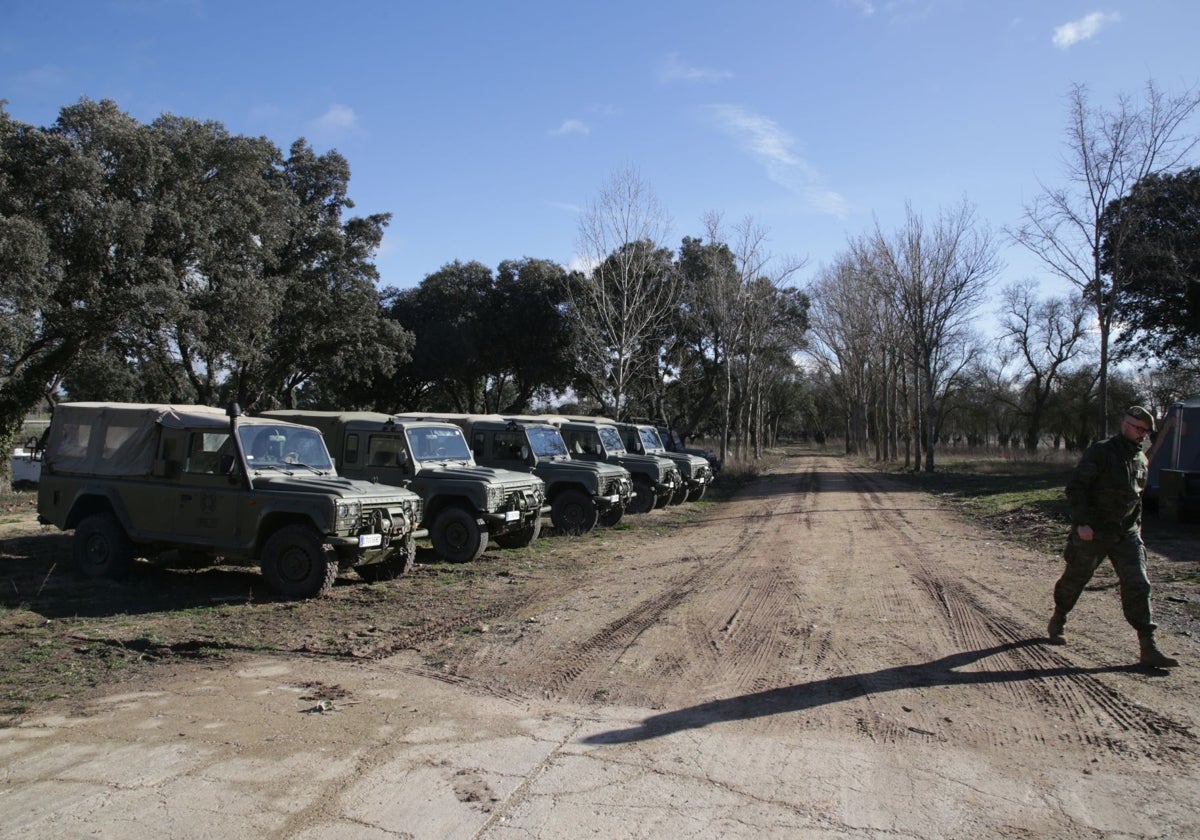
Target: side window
506 446
204 452
386 451
351 449
477 445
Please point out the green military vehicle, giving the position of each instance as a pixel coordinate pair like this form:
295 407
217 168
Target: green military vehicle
465 504
581 493
655 480
201 483
643 439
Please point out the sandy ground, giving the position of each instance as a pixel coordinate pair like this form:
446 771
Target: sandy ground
826 655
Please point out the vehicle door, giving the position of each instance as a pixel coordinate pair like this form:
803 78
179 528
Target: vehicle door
208 505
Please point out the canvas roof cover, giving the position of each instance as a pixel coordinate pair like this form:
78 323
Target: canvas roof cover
96 438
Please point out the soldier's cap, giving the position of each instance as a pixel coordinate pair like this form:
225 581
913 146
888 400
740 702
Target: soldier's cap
1139 413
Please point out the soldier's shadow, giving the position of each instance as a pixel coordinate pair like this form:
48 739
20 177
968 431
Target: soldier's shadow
797 698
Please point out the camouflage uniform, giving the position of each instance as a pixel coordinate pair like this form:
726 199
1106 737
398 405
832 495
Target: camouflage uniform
1105 492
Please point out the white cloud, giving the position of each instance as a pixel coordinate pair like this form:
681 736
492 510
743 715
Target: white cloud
1086 27
337 120
571 126
675 70
771 145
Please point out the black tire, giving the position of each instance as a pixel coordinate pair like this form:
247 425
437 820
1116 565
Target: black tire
101 548
297 564
523 538
573 512
398 563
457 537
612 516
644 498
697 493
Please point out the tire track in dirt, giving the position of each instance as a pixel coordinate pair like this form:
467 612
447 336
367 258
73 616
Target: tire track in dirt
705 593
1046 682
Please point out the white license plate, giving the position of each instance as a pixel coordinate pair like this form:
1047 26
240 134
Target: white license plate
370 540
612 500
512 515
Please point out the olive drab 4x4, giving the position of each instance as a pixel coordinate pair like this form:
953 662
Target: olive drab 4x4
697 474
655 480
197 483
464 504
582 494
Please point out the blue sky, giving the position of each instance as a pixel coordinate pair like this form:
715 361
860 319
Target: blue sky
484 128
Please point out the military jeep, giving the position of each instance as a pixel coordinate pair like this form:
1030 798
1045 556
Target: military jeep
195 483
464 504
582 494
655 480
697 474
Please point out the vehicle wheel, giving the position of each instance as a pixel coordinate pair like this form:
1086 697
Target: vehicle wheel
612 516
696 494
398 563
523 538
644 498
457 537
297 564
101 548
573 512
681 495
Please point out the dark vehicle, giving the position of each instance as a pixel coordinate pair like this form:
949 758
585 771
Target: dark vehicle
582 494
655 480
145 480
696 472
673 442
465 504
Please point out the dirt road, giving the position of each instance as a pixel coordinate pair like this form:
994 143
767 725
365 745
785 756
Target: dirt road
826 655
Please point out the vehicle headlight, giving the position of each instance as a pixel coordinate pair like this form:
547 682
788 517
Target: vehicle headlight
495 497
349 510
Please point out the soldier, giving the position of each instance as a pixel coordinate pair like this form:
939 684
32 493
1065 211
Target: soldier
1105 497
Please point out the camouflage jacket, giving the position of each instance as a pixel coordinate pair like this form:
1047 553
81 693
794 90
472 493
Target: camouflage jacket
1105 490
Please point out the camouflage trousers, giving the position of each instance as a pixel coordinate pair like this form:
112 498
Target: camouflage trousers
1128 556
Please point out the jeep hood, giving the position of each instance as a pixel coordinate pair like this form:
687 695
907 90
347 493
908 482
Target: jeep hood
489 475
328 485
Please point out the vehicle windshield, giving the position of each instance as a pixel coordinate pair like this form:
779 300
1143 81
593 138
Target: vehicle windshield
436 443
611 439
283 446
650 439
546 442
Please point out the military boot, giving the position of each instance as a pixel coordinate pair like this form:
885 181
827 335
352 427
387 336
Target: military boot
1151 655
1054 630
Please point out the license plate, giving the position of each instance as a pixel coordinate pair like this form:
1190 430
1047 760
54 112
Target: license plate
370 540
512 515
612 500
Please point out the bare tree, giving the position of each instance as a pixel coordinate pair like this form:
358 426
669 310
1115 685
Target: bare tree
628 292
1108 151
1046 335
935 280
750 308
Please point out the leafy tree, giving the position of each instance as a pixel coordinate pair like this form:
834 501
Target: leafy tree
531 339
329 324
448 315
76 212
1151 247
